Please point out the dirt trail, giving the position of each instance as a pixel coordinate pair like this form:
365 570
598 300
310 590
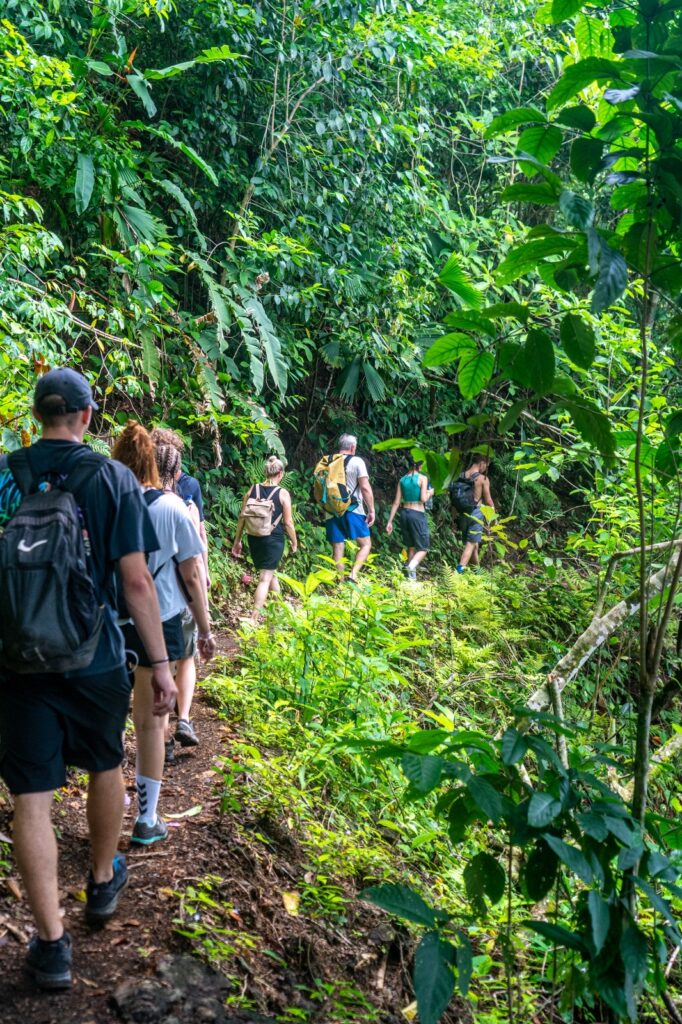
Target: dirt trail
290 953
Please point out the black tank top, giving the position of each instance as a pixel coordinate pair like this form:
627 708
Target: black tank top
266 491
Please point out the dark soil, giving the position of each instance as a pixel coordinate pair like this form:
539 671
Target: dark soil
133 968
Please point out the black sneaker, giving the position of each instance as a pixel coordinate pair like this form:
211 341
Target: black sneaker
169 754
102 897
145 835
49 963
185 734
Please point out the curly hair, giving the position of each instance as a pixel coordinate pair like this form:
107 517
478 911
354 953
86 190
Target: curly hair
168 463
164 436
135 449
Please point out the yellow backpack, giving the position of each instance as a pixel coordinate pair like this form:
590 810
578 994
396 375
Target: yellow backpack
330 487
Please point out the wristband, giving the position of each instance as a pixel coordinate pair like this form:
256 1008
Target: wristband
161 661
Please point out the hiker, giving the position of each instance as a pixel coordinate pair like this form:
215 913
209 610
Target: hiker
177 570
343 489
189 489
411 495
67 516
467 493
265 515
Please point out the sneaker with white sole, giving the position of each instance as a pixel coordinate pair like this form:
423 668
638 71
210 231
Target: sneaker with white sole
49 963
185 734
145 835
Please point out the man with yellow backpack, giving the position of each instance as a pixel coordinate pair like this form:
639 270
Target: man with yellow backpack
343 490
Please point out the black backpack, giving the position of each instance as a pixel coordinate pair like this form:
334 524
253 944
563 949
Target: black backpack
51 613
462 493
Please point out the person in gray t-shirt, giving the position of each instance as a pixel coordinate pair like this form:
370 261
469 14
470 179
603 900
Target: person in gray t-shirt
353 525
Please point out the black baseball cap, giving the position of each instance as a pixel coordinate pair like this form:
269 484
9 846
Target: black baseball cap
67 384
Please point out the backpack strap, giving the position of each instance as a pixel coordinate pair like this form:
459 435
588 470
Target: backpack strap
87 467
151 495
19 465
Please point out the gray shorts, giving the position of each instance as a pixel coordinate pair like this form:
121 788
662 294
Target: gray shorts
471 525
190 634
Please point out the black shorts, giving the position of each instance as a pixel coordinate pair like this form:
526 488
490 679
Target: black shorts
266 552
48 722
415 529
172 634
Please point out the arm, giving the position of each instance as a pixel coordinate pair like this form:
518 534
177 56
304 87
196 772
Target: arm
288 519
140 595
394 508
426 491
485 494
368 498
192 573
204 541
237 546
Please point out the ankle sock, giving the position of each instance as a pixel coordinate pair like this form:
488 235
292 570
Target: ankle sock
147 799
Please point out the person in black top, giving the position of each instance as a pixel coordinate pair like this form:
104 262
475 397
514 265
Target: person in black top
267 551
51 720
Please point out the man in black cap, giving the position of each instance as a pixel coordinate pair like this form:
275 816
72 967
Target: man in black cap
51 719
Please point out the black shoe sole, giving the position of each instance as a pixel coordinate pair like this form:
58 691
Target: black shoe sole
186 741
103 915
49 982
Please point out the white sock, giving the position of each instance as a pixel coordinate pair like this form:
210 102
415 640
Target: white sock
410 564
147 798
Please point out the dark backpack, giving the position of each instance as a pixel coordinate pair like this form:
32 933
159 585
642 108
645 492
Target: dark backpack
51 612
462 493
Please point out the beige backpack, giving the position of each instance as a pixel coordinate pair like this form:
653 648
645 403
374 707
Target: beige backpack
258 513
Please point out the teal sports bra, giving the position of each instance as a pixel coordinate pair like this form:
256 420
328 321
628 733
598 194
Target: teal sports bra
410 488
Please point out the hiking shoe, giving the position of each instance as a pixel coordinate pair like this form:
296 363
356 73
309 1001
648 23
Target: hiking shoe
185 734
49 963
411 574
169 752
145 835
102 897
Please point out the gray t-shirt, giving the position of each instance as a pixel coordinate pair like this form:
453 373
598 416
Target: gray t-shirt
178 540
356 470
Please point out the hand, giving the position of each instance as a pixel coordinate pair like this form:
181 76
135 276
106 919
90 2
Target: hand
389 527
207 647
237 549
165 690
294 549
371 516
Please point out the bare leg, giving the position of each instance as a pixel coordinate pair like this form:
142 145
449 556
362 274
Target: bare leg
185 680
262 591
364 548
150 730
410 554
417 558
338 551
105 817
35 850
474 555
274 585
467 553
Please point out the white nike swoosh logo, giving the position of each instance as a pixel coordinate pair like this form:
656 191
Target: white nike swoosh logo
23 546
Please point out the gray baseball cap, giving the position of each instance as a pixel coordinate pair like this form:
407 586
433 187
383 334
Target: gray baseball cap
67 384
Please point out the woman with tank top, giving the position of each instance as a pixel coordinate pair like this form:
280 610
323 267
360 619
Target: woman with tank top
266 552
411 495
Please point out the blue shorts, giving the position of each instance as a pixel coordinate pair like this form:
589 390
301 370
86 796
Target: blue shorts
349 526
471 525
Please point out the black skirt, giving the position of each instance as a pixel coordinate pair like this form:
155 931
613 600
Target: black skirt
266 552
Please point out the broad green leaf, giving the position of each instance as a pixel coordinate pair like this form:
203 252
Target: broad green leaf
512 119
448 348
392 444
514 746
209 56
576 77
540 871
85 181
509 310
511 416
563 9
454 278
401 901
592 425
557 935
578 340
572 857
579 117
600 918
542 809
141 90
539 360
593 825
527 256
612 278
542 194
543 141
634 950
586 158
673 424
434 981
484 876
467 320
189 152
475 370
465 965
423 770
578 211
151 364
486 797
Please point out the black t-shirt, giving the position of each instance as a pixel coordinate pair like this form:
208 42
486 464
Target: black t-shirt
116 519
189 489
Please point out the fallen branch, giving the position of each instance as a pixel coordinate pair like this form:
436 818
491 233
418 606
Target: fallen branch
610 568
